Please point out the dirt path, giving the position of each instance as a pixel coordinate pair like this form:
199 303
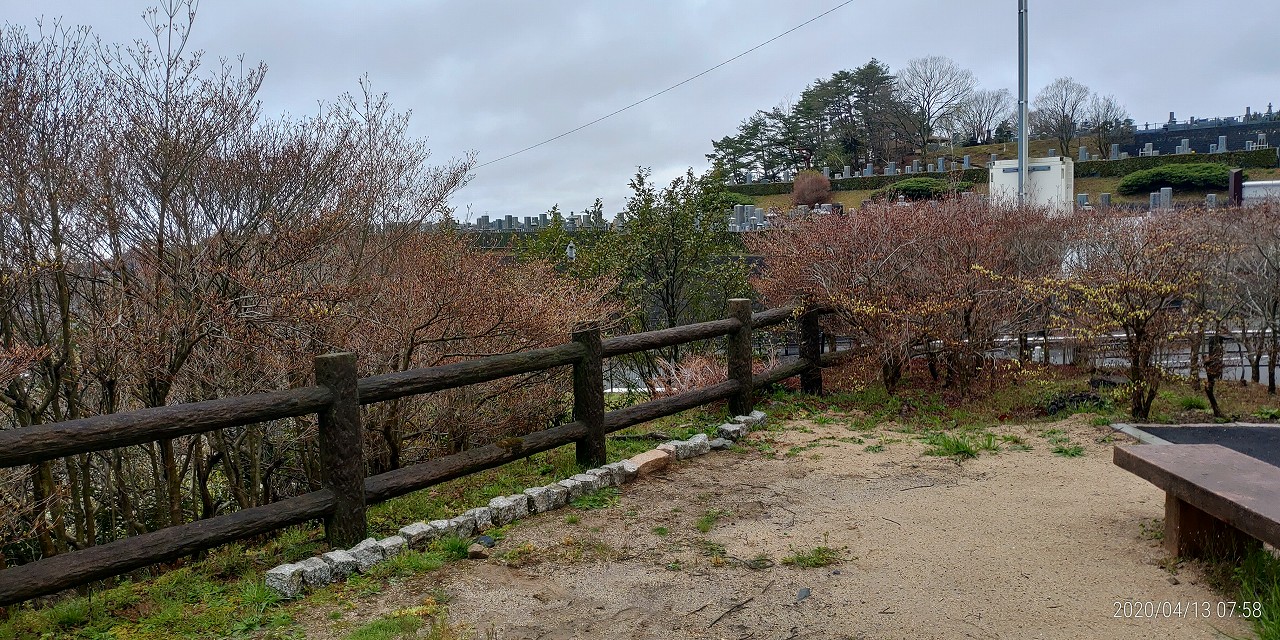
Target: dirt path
1020 544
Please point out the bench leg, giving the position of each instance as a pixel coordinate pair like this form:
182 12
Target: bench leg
1192 533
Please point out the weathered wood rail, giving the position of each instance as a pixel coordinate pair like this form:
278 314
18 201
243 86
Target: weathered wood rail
336 399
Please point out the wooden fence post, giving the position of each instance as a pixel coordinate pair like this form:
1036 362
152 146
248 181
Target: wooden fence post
342 449
588 396
811 350
739 352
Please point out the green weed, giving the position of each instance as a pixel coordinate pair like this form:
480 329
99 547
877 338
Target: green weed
1068 450
709 519
599 499
815 557
944 444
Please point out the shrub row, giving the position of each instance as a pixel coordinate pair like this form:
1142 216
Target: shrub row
1262 158
1199 176
1089 169
861 183
920 188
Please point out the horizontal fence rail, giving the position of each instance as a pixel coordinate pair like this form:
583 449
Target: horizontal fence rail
336 400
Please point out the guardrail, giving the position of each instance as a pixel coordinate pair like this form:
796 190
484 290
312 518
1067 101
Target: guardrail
337 398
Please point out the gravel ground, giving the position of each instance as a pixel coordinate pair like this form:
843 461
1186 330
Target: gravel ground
1015 544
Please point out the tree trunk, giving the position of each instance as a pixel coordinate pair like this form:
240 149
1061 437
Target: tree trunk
1193 364
1213 368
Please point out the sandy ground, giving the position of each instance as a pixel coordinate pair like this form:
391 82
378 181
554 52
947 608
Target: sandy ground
1019 544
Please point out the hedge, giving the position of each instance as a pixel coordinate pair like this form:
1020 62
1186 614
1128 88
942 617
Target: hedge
920 188
1199 176
1261 158
861 183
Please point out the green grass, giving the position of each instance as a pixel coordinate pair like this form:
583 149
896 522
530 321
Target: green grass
1068 450
1189 403
955 446
1258 577
599 499
661 531
812 558
389 628
707 521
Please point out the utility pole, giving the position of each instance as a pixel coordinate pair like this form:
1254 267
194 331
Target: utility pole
1022 102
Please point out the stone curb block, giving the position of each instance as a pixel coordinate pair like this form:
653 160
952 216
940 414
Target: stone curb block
700 444
651 461
483 517
732 430
463 525
418 535
286 580
519 506
341 564
367 554
541 499
391 546
315 572
604 477
574 488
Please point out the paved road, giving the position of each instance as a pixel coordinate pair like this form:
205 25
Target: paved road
1262 443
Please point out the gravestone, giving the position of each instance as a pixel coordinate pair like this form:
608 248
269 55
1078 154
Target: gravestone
1166 197
1053 153
967 164
993 158
941 165
1104 200
1213 147
1082 200
1211 200
1155 200
1124 155
826 172
848 171
915 166
1115 152
1084 153
910 170
868 170
891 169
751 177
1222 144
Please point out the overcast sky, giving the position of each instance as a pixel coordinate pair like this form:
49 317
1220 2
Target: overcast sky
496 76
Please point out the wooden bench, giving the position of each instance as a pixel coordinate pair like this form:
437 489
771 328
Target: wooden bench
1218 502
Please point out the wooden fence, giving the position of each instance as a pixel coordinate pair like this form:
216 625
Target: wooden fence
337 397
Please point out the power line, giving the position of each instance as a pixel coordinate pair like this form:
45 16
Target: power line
674 86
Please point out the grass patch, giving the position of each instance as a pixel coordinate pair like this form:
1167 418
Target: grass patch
812 558
599 499
660 531
388 628
955 446
1193 403
1068 450
1258 577
707 521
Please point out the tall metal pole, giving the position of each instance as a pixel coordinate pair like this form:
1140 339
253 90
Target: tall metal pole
1022 102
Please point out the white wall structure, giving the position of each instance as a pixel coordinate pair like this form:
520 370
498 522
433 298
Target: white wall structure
1256 191
1050 182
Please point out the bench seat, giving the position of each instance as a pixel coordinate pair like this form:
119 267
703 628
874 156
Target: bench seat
1218 502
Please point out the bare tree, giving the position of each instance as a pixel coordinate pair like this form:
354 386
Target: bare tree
1059 110
1108 118
982 112
929 91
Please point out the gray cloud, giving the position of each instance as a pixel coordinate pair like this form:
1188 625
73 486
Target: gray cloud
495 76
